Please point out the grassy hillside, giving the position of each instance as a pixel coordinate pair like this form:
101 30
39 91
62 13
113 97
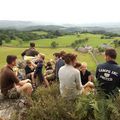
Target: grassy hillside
4 51
63 41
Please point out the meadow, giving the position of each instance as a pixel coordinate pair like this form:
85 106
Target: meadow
47 104
4 51
63 41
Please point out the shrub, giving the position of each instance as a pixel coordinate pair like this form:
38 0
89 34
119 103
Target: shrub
54 44
47 104
100 49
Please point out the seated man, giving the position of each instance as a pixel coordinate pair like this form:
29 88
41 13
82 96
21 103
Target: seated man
59 62
10 85
31 51
108 73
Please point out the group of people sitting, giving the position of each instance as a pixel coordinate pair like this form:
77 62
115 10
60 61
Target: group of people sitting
73 77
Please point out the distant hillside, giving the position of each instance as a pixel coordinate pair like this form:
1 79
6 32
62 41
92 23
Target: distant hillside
5 24
45 27
28 26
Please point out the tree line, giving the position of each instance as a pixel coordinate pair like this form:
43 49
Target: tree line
8 35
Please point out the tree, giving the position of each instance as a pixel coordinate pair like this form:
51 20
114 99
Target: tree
54 44
116 43
0 42
57 33
20 42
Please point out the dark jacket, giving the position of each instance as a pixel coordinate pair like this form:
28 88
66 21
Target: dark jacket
58 65
108 76
30 52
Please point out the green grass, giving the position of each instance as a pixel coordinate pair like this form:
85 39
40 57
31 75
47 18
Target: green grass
63 41
100 57
4 51
40 32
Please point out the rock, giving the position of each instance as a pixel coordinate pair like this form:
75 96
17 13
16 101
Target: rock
8 107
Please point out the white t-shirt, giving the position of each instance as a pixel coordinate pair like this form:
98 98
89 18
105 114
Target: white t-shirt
70 81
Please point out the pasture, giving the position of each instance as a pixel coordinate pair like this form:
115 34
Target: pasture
63 41
4 51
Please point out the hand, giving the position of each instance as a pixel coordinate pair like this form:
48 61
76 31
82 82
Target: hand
28 81
89 84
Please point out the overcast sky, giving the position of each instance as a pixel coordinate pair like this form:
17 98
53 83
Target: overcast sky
61 11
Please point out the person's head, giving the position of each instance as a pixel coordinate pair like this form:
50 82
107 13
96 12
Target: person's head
32 45
62 54
77 65
70 59
83 66
11 60
41 57
28 62
56 55
110 54
49 64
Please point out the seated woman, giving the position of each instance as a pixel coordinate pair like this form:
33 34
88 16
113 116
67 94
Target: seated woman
85 74
50 74
88 86
29 70
69 77
38 73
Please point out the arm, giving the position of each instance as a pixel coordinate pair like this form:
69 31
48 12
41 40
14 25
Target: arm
21 83
78 81
33 64
90 77
96 73
24 53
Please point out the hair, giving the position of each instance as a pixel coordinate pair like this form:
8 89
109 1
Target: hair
77 64
28 62
10 59
32 44
111 53
84 64
42 56
49 64
56 55
69 58
62 53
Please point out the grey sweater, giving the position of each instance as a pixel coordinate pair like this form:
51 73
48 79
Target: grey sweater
70 81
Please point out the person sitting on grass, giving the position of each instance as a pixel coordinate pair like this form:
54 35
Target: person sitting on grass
38 73
59 62
50 74
69 77
89 86
85 74
10 85
31 51
108 74
29 70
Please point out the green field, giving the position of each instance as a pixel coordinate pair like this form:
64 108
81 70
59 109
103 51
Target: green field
63 41
100 57
4 51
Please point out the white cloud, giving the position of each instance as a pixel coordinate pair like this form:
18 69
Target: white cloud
61 11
